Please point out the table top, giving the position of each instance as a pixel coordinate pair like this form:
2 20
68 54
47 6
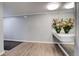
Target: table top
65 38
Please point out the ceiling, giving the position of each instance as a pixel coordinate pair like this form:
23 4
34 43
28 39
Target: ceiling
28 8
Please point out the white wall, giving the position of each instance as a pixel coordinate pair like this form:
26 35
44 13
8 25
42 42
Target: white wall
33 27
1 29
39 28
14 27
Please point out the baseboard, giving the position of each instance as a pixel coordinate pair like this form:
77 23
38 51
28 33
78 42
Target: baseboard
39 41
1 53
31 41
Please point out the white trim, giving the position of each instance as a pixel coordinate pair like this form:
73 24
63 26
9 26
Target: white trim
1 53
63 50
31 41
39 41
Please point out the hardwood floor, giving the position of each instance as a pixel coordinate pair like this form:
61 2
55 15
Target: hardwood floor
34 49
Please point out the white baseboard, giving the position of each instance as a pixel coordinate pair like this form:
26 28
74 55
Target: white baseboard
1 53
39 41
31 41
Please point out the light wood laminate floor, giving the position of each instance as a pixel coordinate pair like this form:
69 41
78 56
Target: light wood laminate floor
34 49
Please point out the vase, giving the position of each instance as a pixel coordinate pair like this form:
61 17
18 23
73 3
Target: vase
66 29
58 30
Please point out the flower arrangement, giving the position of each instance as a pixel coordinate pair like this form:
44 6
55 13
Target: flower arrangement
66 25
57 25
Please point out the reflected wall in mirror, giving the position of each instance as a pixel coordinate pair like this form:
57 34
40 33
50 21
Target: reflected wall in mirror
31 22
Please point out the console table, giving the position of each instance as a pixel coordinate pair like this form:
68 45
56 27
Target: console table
65 42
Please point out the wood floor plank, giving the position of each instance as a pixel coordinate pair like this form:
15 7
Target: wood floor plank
34 49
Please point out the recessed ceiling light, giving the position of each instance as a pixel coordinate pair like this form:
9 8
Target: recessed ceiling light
69 5
53 6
